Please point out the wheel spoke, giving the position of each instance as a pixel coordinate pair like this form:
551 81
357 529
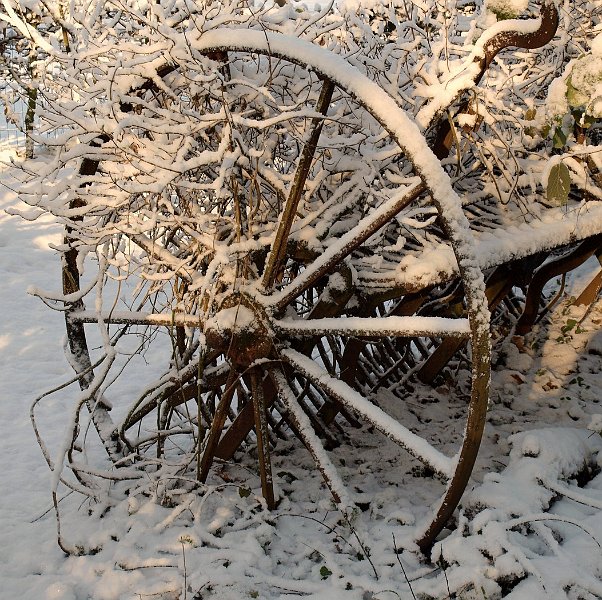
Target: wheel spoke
263 440
377 327
345 245
288 216
219 419
241 426
339 390
126 317
311 441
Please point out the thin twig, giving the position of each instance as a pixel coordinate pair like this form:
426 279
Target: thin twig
446 579
401 565
47 511
364 549
185 573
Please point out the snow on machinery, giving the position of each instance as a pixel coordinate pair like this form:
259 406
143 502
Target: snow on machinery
296 209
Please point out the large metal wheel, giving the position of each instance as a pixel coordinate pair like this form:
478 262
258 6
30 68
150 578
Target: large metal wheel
239 230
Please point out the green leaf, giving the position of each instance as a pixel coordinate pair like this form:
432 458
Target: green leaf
559 184
570 324
574 97
587 121
559 138
325 572
244 492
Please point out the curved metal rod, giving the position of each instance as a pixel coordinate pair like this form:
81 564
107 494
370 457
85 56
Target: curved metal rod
517 39
444 138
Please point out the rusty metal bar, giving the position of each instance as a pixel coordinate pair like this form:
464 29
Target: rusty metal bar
288 216
263 440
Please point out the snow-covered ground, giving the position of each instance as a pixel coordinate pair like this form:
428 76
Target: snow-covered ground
530 525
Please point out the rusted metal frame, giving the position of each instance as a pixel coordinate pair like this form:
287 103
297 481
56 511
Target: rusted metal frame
303 393
211 402
277 422
478 316
248 399
556 267
437 361
336 348
337 300
392 371
422 348
328 308
374 416
231 411
317 398
406 307
444 138
390 368
306 398
409 304
328 362
285 419
325 308
475 424
513 305
244 423
447 301
349 367
288 216
243 393
480 344
527 41
382 356
369 364
348 374
499 284
480 363
263 442
217 425
391 349
349 364
353 348
362 328
590 293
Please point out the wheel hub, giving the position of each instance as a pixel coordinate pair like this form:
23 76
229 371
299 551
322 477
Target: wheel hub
239 330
